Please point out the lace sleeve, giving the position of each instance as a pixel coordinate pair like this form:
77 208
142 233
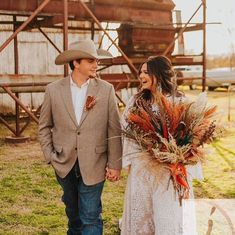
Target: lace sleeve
130 147
195 172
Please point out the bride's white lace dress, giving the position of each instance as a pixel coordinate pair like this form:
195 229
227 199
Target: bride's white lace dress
151 206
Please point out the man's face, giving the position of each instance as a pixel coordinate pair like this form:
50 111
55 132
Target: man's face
88 67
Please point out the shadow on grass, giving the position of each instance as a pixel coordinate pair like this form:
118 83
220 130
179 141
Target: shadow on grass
222 152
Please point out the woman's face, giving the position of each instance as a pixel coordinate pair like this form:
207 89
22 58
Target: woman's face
145 79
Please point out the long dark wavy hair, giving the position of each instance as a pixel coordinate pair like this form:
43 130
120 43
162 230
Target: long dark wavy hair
159 68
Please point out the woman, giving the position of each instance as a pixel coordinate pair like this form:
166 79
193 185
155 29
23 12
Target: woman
151 205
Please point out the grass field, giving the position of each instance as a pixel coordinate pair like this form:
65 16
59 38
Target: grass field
30 196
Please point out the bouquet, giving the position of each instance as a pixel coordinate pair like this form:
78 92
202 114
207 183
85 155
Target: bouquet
173 134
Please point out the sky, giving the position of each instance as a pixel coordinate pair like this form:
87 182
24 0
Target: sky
220 37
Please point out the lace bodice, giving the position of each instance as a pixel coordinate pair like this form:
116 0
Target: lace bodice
151 205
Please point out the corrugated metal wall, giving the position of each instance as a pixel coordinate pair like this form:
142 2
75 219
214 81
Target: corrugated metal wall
36 56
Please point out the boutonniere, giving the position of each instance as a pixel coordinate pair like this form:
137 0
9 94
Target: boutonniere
90 102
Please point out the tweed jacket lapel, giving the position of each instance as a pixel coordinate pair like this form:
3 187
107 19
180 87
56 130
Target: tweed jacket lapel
67 98
91 91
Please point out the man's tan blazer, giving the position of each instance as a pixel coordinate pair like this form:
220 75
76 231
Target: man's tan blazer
95 141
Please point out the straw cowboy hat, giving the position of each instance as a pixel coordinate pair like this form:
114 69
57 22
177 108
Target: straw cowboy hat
82 50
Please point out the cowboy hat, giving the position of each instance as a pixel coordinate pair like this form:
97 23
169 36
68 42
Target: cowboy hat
82 50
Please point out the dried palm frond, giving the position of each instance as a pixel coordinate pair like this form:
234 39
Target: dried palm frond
173 134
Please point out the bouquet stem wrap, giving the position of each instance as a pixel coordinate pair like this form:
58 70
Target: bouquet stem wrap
179 178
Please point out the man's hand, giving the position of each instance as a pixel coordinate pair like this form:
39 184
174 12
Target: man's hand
112 174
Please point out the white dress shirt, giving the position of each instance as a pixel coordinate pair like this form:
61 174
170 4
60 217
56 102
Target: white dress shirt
78 97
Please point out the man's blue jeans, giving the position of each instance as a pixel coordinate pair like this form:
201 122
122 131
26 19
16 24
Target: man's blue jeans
83 204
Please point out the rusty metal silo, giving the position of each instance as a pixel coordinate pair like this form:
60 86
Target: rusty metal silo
151 34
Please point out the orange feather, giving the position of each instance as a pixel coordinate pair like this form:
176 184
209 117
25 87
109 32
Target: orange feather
210 111
142 123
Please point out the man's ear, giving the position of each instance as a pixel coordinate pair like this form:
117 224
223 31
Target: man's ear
76 64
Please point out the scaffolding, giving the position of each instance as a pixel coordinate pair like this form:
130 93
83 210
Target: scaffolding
136 19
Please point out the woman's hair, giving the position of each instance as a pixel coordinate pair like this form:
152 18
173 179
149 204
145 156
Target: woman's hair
159 68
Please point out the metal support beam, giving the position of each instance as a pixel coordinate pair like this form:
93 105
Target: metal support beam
31 17
65 33
17 116
181 32
204 48
92 22
103 34
7 89
29 120
16 54
37 83
16 60
124 11
7 125
52 43
119 98
132 67
50 22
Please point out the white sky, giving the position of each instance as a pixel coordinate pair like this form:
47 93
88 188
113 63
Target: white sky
220 37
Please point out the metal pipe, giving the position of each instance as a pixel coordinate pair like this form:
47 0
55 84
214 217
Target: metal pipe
17 116
52 43
7 125
55 26
25 125
23 84
46 83
16 60
104 67
16 54
20 104
44 3
119 98
132 67
92 22
229 102
112 43
106 28
65 33
204 48
181 32
29 120
26 84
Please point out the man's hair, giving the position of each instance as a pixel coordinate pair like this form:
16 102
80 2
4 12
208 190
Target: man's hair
71 65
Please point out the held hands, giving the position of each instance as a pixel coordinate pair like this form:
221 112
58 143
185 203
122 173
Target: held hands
112 174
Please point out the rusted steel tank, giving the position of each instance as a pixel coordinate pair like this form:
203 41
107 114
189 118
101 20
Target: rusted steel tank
141 38
146 25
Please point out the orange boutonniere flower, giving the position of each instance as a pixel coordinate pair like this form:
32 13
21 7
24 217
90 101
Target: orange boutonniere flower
90 102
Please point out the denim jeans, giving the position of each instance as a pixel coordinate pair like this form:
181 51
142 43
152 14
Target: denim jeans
82 204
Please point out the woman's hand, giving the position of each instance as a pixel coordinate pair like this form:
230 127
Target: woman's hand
112 174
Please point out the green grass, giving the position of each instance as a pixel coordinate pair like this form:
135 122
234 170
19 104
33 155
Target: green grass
30 196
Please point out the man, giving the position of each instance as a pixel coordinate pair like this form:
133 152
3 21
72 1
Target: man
79 132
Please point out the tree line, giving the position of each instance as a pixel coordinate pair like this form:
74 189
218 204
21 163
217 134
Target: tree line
220 61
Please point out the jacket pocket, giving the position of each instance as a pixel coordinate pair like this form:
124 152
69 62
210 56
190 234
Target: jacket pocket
101 149
58 149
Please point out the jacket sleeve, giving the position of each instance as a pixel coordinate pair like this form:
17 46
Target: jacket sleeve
114 133
45 127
